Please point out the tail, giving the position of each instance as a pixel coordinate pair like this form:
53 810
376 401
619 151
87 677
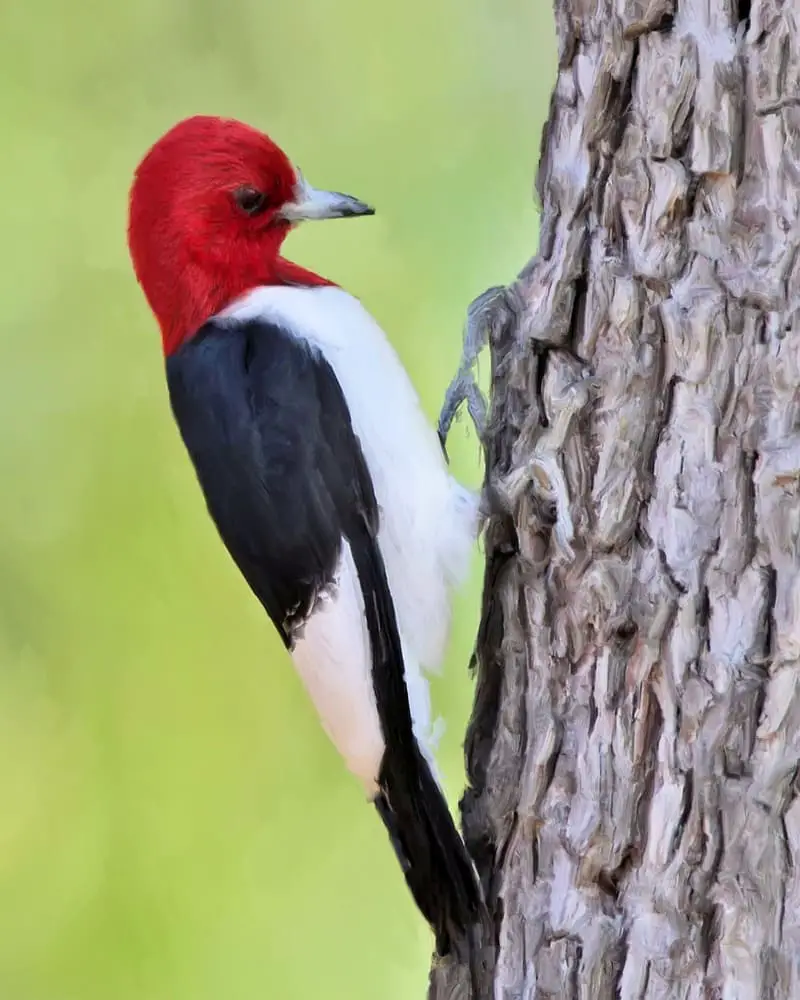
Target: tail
437 867
438 870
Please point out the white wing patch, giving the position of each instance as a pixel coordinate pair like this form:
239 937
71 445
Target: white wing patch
334 661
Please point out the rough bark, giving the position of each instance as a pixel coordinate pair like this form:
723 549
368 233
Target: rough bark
633 753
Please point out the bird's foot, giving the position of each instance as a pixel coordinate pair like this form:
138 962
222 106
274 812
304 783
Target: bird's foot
464 387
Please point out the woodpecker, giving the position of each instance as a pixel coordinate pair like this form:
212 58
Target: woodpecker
326 484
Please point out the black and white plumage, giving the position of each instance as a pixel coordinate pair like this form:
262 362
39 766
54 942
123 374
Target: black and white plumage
331 493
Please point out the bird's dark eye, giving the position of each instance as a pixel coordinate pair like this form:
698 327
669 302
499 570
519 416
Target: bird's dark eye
250 200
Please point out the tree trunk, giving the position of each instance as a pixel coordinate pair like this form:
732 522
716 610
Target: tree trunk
633 754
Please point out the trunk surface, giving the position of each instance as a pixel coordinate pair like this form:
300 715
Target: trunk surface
633 753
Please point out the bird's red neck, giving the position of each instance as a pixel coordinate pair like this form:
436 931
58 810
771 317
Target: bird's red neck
181 312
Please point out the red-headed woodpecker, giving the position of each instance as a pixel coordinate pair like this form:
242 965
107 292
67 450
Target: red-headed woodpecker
325 481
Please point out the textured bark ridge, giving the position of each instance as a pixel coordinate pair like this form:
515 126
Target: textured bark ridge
633 755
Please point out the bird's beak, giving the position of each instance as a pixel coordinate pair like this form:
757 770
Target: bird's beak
311 203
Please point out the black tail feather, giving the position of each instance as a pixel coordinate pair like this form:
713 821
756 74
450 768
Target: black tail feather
437 867
435 862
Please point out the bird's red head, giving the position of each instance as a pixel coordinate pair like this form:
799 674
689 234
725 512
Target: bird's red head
211 203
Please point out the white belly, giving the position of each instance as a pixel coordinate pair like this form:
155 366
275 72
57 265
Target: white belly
428 520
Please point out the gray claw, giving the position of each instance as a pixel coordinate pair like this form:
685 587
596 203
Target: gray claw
463 387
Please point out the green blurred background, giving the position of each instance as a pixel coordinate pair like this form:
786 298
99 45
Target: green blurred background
173 823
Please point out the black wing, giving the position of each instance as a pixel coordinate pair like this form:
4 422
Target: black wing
269 432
